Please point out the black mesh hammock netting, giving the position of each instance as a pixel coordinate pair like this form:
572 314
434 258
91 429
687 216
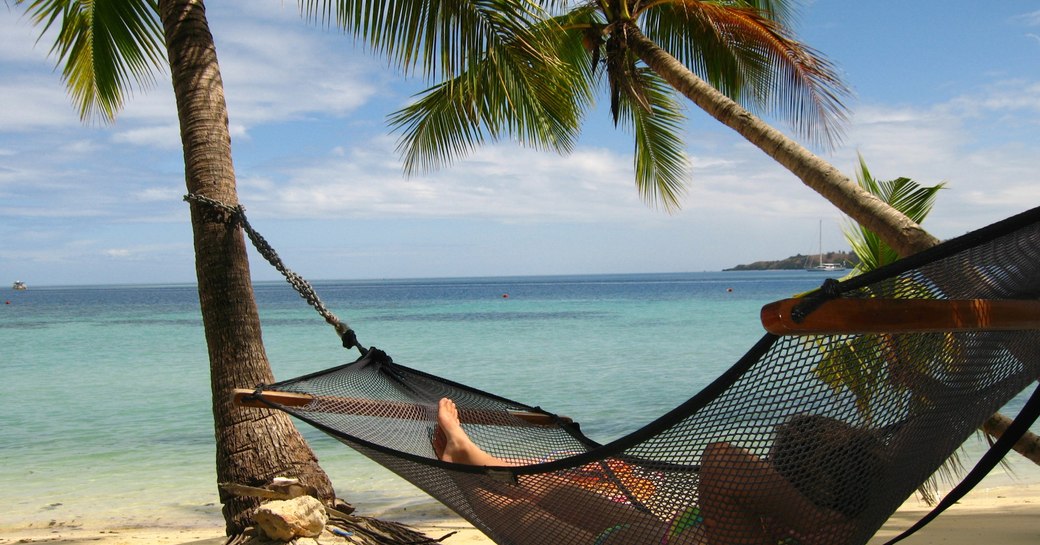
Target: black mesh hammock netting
809 438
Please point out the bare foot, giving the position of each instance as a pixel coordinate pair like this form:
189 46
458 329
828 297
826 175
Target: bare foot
452 444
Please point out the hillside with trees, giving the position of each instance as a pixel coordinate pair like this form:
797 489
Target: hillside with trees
798 262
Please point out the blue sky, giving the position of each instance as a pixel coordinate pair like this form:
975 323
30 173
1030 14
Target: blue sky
944 91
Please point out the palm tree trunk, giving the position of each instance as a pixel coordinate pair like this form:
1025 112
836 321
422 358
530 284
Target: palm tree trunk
902 234
905 236
1028 446
253 446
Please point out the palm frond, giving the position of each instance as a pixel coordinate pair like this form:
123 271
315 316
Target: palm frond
438 38
914 201
661 164
753 59
903 194
587 23
688 33
104 47
781 11
511 90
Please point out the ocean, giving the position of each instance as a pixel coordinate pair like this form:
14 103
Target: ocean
106 389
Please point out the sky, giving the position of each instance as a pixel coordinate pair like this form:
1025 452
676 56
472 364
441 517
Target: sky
942 92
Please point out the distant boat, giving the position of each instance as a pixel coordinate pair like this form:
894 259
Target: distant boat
820 265
827 267
19 285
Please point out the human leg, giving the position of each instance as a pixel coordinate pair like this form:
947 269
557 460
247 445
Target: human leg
452 444
551 507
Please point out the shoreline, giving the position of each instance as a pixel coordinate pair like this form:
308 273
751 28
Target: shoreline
1008 514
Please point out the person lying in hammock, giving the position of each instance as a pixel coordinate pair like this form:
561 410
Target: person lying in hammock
744 500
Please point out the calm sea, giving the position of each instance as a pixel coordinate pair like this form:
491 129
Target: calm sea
106 391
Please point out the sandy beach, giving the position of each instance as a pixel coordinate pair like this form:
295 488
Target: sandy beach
1008 515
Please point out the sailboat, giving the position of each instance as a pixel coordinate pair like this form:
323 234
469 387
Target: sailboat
820 265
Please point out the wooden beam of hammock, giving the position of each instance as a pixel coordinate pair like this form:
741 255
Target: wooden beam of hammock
851 316
244 397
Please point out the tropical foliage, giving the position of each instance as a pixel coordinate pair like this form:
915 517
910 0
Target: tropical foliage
539 66
506 68
528 70
104 48
850 363
905 195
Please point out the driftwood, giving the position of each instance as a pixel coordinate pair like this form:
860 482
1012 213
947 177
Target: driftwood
372 531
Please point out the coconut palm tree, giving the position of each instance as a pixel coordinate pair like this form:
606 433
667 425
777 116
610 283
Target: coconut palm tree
521 69
646 48
104 47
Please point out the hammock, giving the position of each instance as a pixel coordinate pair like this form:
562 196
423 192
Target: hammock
857 394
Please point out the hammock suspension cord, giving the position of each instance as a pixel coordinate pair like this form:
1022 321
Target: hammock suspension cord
237 215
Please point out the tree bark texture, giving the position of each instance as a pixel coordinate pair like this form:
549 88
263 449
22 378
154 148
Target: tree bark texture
253 445
1028 446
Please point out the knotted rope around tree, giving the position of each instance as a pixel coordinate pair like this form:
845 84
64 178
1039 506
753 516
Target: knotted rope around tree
237 215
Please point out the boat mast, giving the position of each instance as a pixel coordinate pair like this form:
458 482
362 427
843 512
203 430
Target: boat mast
821 243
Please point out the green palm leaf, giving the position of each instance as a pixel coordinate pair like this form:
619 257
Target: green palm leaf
915 201
442 38
514 89
744 50
903 194
105 47
507 69
661 164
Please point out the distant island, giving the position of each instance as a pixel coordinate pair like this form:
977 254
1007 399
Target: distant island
799 262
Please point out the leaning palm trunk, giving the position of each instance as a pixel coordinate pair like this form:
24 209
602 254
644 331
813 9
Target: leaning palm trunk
905 236
1028 446
898 231
252 446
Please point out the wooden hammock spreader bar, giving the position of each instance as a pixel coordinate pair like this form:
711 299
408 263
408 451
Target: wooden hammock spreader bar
243 397
850 316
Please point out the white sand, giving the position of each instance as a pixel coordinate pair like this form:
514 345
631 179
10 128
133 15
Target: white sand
1008 515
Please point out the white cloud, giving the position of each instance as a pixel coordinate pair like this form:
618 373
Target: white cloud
970 142
1004 98
307 119
159 194
729 176
503 182
18 41
34 102
79 147
275 67
1030 19
117 252
166 137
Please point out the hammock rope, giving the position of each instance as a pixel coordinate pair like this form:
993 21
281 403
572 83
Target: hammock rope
817 434
237 215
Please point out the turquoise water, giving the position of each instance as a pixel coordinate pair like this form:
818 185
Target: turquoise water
106 388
